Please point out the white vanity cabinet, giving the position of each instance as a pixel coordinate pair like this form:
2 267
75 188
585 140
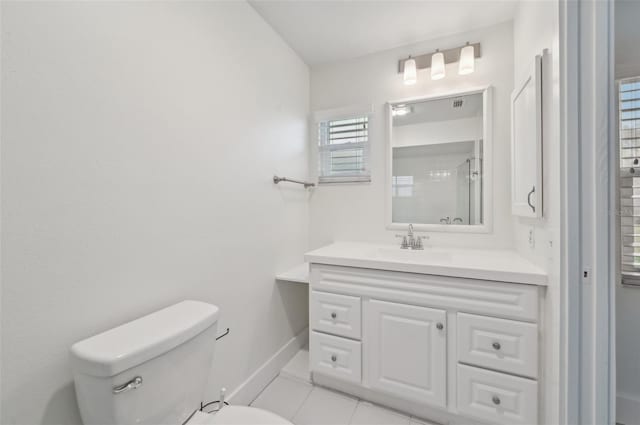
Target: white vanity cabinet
460 348
406 351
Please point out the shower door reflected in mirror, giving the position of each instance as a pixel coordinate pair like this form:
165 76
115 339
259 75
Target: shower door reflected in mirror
438 175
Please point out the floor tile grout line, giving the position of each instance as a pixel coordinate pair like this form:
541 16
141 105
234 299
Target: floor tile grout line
412 420
264 389
303 402
407 418
353 414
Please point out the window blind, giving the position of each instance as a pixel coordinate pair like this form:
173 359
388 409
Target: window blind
629 140
343 147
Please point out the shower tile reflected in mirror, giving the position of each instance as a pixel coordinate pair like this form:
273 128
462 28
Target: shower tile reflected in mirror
437 184
437 161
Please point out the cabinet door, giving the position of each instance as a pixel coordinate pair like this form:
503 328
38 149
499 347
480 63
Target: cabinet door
526 143
405 351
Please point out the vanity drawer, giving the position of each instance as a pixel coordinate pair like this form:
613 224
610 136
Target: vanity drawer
504 345
496 397
335 314
334 356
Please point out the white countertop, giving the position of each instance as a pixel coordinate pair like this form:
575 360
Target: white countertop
297 274
498 265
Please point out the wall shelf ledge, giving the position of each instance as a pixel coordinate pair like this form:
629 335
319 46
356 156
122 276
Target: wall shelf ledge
297 274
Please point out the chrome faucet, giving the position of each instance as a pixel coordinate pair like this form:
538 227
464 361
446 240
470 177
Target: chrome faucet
410 240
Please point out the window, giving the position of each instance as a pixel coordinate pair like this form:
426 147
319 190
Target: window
629 139
343 150
402 186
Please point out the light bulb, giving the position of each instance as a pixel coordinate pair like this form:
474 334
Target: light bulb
401 110
437 66
467 60
410 72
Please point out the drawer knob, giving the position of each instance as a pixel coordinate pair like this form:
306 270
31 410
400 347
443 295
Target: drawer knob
334 315
440 326
496 345
334 358
496 400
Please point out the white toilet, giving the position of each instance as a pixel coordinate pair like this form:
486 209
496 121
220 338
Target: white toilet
153 371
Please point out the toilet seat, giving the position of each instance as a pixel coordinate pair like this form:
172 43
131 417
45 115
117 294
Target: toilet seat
238 415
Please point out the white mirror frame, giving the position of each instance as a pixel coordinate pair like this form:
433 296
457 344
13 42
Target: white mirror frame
487 183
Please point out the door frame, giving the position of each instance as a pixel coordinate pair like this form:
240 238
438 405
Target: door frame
588 196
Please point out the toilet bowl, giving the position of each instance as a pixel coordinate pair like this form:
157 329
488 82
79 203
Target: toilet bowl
238 415
154 371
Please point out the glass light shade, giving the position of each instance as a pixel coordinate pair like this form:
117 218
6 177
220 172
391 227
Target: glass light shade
437 66
467 61
401 110
410 72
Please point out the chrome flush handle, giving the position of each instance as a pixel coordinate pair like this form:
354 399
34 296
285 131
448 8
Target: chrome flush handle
131 385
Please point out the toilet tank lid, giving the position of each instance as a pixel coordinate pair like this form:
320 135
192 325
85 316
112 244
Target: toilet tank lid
133 343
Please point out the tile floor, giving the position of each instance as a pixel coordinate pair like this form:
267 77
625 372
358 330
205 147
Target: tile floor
305 404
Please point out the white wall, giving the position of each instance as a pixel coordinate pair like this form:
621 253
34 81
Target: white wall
430 133
536 27
138 144
627 14
627 34
357 212
541 19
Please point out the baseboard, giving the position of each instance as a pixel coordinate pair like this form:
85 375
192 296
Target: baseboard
627 409
258 381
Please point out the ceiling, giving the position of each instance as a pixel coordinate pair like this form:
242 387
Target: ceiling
322 31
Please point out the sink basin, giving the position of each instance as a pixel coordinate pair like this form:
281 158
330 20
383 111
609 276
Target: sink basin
408 255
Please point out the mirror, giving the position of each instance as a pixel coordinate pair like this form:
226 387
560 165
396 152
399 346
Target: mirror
438 150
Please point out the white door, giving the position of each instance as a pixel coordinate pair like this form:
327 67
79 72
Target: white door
405 351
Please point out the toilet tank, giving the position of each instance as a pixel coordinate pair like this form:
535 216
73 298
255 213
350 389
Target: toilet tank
165 356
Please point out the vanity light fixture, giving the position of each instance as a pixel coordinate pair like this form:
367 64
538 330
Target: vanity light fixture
437 66
467 60
437 60
410 72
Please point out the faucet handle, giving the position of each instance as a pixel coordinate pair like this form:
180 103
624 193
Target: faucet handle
405 243
418 242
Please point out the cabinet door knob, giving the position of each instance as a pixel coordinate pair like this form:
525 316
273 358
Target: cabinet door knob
439 326
496 400
334 358
333 315
496 345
